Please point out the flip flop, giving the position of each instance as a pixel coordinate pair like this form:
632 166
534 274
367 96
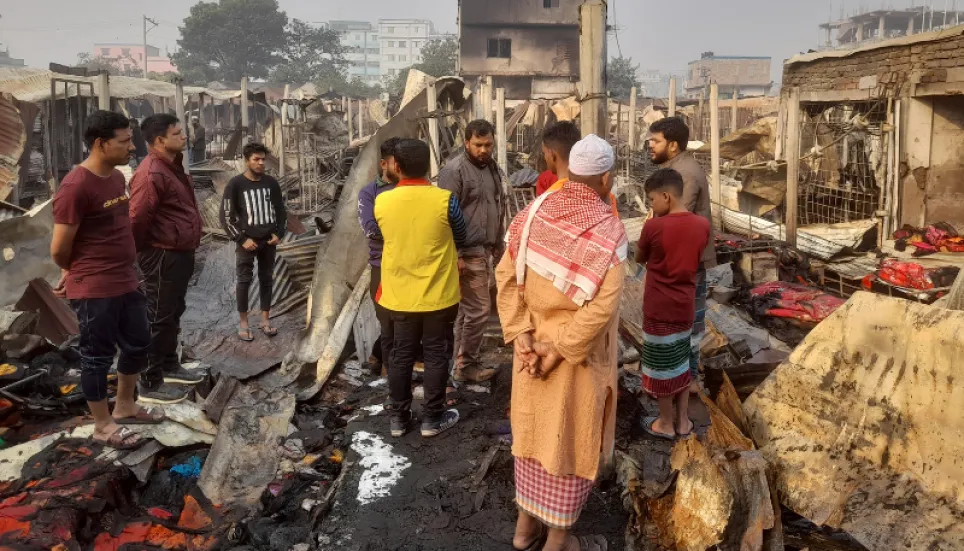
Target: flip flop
684 435
268 330
647 425
538 543
121 439
144 416
243 331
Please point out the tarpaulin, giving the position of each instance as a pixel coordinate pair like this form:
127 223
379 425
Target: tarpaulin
791 300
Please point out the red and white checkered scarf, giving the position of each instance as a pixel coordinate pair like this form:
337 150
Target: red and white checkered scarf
571 238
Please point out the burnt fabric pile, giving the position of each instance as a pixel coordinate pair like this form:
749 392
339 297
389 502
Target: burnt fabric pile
935 238
69 497
911 275
793 301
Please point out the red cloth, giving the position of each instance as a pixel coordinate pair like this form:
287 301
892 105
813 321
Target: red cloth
545 181
798 302
103 255
164 210
672 246
557 501
575 236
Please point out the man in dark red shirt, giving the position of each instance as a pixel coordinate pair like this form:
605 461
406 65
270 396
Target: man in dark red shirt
92 243
167 230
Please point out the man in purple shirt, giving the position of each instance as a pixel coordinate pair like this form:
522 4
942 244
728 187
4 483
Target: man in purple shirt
386 181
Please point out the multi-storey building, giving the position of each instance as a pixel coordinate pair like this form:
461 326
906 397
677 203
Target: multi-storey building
402 41
362 49
746 75
130 57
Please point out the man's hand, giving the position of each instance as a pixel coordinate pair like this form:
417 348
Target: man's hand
61 289
274 240
528 360
249 245
550 358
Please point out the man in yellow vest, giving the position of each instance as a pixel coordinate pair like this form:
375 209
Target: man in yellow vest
422 228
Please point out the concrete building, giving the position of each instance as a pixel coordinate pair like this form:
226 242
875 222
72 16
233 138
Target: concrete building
7 61
875 26
529 47
655 84
362 47
916 84
402 41
746 75
131 57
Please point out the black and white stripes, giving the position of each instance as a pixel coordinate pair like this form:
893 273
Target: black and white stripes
253 209
257 203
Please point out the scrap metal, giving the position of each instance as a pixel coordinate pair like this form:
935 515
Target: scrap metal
13 138
57 321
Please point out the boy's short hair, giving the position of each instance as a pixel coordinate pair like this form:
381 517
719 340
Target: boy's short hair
103 125
252 148
388 148
560 137
665 179
413 158
674 130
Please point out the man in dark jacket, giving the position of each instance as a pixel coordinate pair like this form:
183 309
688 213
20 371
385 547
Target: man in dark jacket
254 215
476 181
167 230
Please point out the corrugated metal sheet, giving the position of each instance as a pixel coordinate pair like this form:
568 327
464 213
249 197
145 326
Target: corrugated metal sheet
822 241
12 140
8 211
57 321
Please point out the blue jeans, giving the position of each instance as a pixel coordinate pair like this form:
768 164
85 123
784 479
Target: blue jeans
107 324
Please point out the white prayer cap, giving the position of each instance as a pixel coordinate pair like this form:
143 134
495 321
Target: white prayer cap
591 156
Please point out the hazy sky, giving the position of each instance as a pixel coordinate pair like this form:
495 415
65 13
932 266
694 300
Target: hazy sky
661 35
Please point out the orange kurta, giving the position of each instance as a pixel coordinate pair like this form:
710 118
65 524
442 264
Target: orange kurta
568 421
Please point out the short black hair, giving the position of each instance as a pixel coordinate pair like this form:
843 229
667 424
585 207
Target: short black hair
252 148
156 126
413 158
674 130
480 128
665 179
388 148
103 125
560 137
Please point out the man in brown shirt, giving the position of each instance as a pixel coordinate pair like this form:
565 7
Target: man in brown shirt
667 148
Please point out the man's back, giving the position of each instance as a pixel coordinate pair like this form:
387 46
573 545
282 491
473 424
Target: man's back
673 247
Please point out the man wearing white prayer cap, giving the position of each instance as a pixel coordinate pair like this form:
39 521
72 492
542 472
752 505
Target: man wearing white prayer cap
559 295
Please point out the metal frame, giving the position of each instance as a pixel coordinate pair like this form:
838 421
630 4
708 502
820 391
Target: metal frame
52 121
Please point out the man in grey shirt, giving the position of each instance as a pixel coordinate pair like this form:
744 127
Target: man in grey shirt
475 179
667 148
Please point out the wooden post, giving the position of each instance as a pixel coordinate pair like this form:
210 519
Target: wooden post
672 96
361 119
793 163
701 132
432 93
103 94
717 193
179 110
592 67
501 139
632 131
734 122
244 108
344 107
164 108
487 100
351 131
283 146
201 117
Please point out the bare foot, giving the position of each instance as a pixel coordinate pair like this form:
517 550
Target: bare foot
685 428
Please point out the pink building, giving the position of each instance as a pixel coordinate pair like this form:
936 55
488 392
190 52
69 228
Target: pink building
131 56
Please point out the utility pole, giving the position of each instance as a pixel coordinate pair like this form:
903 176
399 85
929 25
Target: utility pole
717 190
501 139
151 21
592 67
244 109
632 132
672 96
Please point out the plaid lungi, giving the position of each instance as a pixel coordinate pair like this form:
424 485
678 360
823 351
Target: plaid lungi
699 323
666 357
557 501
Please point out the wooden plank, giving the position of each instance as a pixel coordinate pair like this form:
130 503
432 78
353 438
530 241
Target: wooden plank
219 397
793 163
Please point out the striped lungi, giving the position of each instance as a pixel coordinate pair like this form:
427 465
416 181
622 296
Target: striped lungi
699 323
666 357
556 501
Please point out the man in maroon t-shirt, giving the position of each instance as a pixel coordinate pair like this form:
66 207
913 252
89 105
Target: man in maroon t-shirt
93 244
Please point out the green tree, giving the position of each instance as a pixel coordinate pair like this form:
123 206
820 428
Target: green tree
439 59
231 39
621 76
114 67
310 54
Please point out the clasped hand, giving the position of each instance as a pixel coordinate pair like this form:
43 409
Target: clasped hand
538 359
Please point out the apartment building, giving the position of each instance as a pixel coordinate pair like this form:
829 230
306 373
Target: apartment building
362 49
402 41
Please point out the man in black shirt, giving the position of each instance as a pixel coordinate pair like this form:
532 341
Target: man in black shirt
254 216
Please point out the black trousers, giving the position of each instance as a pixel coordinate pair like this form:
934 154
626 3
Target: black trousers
166 278
383 348
265 254
436 333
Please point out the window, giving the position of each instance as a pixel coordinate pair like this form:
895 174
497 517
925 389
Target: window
403 58
550 3
126 52
401 44
390 58
391 43
391 30
105 52
500 47
357 36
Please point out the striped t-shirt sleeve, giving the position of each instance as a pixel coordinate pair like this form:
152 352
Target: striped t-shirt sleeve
457 222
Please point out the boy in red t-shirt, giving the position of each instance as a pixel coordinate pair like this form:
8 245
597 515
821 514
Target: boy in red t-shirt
670 246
